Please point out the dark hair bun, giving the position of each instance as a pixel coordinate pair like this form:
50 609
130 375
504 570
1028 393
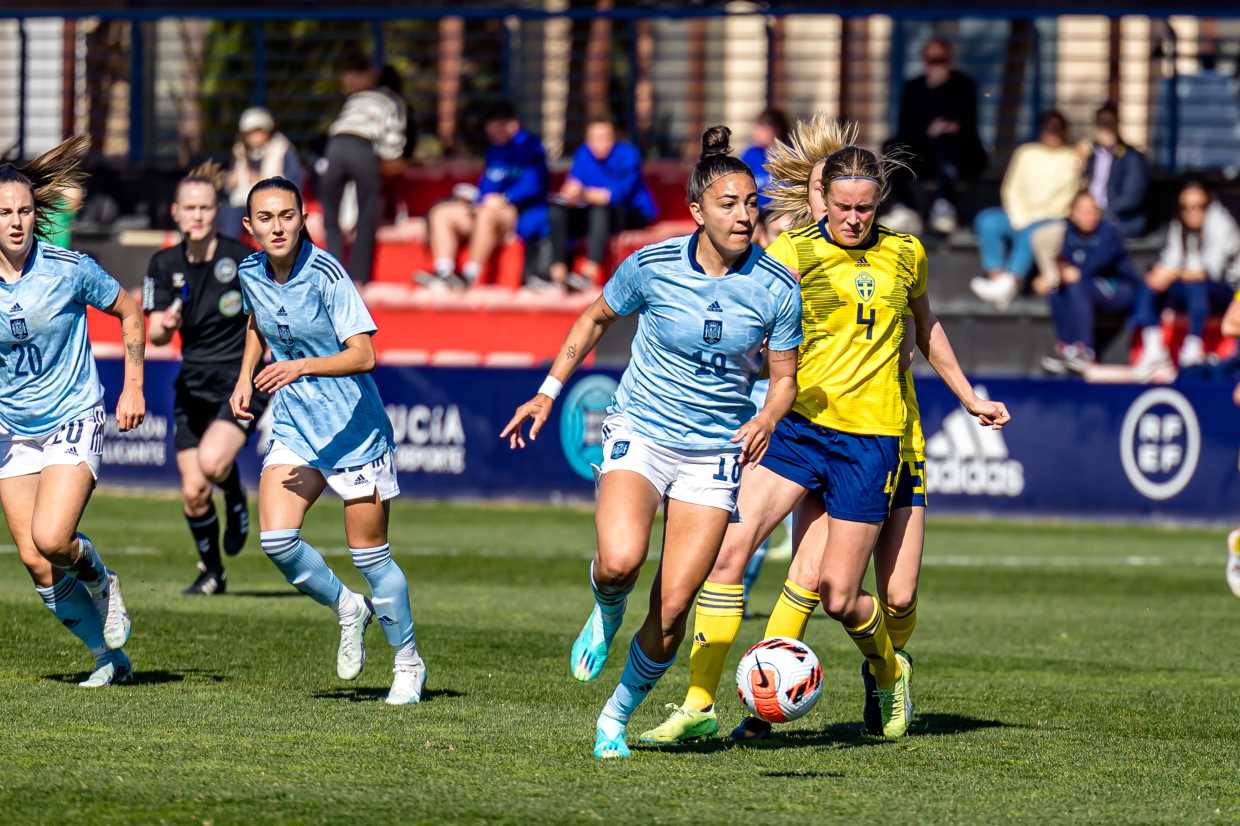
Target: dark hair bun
715 141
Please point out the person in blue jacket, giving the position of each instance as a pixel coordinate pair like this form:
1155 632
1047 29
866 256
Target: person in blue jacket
769 127
1095 276
512 197
1117 174
603 194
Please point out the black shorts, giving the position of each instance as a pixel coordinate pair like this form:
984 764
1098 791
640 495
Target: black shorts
202 397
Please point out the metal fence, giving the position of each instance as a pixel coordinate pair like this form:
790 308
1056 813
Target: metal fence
163 91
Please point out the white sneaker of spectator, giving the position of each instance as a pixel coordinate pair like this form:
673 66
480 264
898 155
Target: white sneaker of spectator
902 219
1154 355
1192 351
943 217
998 290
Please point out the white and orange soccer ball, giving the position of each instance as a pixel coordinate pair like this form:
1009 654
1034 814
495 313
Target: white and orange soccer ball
779 679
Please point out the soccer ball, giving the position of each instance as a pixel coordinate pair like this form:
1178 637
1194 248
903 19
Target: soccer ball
779 679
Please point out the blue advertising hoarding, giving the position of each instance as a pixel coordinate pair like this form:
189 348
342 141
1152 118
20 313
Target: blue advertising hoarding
1096 451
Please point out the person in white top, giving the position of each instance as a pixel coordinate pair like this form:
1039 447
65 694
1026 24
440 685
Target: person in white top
1197 273
261 151
369 130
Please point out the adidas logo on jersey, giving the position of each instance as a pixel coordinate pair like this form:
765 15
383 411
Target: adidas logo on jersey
16 308
360 480
281 311
714 307
964 459
71 451
861 262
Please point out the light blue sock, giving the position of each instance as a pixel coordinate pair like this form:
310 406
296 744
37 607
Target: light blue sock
302 565
89 568
640 675
389 592
611 604
69 600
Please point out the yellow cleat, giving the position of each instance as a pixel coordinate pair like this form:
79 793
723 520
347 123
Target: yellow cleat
896 703
682 726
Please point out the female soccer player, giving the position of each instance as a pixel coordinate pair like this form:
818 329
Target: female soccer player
681 426
193 287
843 440
329 429
51 411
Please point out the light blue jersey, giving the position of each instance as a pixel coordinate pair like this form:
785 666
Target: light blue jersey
698 346
329 422
47 371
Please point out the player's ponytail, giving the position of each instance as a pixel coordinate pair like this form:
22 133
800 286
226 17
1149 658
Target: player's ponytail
715 162
53 178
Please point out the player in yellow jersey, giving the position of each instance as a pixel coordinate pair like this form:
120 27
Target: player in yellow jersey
843 440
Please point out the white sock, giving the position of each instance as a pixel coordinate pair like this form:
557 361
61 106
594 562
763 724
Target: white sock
1152 340
408 655
472 270
444 266
349 605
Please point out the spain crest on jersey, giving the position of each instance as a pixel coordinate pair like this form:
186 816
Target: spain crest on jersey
19 329
712 331
285 333
865 286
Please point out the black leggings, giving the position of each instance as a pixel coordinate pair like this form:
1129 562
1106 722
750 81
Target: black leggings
352 158
596 223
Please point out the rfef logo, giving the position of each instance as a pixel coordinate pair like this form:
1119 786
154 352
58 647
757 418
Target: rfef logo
581 423
1160 443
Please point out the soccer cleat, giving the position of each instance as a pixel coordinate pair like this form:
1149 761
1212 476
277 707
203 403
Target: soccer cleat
1233 561
589 653
683 725
237 528
871 715
896 703
208 583
610 748
751 728
351 655
111 608
407 684
112 668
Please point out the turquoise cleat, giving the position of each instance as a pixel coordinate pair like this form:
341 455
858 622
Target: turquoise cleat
589 653
610 748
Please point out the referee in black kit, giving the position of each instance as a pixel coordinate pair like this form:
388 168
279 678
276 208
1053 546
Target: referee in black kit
193 287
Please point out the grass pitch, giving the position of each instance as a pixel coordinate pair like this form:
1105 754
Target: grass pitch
1064 673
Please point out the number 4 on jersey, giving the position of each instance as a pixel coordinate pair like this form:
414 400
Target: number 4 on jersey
866 321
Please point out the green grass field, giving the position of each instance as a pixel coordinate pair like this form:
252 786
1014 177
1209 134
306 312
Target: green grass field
1065 673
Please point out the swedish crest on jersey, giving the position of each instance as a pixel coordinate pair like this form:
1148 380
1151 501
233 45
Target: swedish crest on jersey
712 331
865 286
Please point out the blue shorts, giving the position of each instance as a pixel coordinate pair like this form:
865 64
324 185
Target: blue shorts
911 489
855 475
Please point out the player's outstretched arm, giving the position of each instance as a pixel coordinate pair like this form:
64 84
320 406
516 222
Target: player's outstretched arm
239 401
937 348
131 407
755 435
582 338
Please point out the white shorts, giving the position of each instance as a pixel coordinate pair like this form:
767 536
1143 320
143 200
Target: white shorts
75 442
359 482
699 477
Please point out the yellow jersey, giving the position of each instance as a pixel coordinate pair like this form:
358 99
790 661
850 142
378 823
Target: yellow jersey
853 304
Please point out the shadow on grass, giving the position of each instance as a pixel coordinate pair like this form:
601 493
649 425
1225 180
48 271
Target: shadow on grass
154 677
370 695
263 594
802 775
934 725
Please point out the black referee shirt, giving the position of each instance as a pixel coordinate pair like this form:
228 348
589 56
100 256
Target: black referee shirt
212 324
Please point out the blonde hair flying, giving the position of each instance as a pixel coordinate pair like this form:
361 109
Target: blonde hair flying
53 178
790 163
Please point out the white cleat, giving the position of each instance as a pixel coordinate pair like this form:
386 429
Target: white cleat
407 684
111 608
351 655
1233 561
114 670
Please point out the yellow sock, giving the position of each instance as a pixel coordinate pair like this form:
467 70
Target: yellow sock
872 639
900 624
716 622
791 612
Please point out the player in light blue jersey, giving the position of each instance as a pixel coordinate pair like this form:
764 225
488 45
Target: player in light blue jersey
51 405
329 429
681 426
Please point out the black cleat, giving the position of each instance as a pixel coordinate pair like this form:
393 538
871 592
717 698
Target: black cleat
751 728
208 583
871 712
237 529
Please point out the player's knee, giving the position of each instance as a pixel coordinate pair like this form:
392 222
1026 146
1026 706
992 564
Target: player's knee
615 570
196 496
53 544
899 599
839 605
215 468
730 565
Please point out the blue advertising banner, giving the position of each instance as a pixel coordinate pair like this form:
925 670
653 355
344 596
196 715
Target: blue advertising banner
1097 451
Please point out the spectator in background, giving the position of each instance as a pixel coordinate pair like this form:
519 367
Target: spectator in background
770 126
1040 182
1116 174
604 194
938 130
259 152
1093 275
370 129
512 196
1197 272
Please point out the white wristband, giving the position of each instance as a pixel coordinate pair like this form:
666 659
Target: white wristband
551 386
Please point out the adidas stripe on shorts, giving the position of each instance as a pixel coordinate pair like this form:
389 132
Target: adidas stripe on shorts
76 442
359 482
